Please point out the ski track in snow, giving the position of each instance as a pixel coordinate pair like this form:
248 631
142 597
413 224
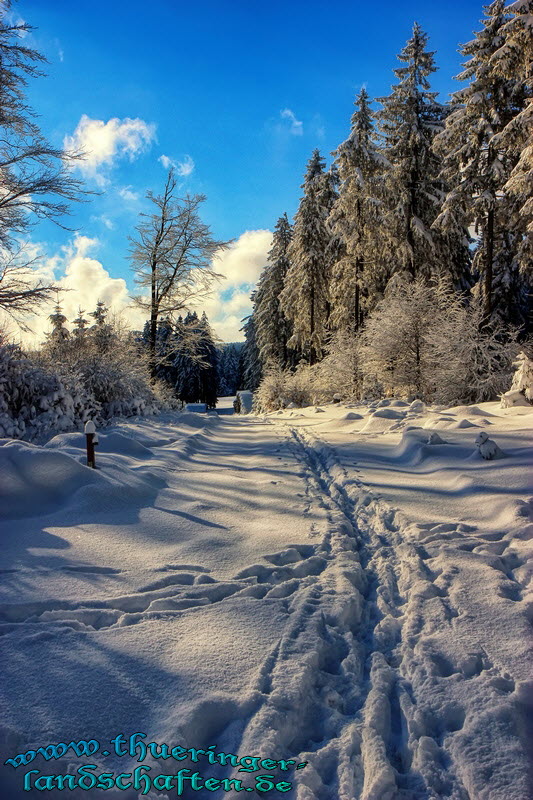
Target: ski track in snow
399 736
379 679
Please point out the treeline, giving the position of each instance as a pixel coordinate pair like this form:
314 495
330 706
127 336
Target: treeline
96 371
408 266
100 370
191 364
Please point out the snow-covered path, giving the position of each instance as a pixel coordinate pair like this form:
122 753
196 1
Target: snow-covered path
230 581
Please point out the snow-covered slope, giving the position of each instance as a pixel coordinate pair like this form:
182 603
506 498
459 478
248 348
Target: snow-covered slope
344 587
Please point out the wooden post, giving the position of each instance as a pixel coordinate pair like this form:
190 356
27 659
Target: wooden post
90 434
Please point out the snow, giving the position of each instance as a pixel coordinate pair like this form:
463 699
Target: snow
347 588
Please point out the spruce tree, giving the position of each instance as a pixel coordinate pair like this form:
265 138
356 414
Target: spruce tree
187 386
304 300
102 332
195 363
477 167
165 351
250 360
59 334
208 364
81 324
409 121
228 370
513 61
272 327
357 276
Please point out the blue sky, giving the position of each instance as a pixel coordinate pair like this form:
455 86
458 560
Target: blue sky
237 93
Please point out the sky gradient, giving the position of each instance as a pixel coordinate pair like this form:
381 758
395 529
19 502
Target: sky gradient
235 94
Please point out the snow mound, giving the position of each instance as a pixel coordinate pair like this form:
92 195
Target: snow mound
388 413
35 480
464 423
193 420
352 415
382 420
125 445
474 411
68 441
392 403
416 445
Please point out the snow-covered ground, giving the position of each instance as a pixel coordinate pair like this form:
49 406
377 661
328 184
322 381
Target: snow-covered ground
344 586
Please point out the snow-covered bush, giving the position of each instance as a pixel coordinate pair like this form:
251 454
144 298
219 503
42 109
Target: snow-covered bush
339 373
472 362
279 388
522 386
271 393
487 448
395 351
428 341
111 367
244 402
73 378
34 400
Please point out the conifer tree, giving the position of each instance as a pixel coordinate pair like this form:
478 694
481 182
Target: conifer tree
195 362
477 166
357 275
272 327
166 352
513 61
208 365
81 324
409 121
251 363
59 333
228 370
305 298
102 332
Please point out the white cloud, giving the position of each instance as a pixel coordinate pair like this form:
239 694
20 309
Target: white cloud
128 195
87 281
241 265
166 161
242 262
104 220
183 168
297 126
60 51
105 142
229 329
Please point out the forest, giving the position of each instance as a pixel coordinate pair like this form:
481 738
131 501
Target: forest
407 270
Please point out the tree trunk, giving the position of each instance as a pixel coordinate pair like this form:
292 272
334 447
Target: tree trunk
312 355
489 258
153 323
357 304
410 213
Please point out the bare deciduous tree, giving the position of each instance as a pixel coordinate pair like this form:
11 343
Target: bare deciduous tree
172 256
36 181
